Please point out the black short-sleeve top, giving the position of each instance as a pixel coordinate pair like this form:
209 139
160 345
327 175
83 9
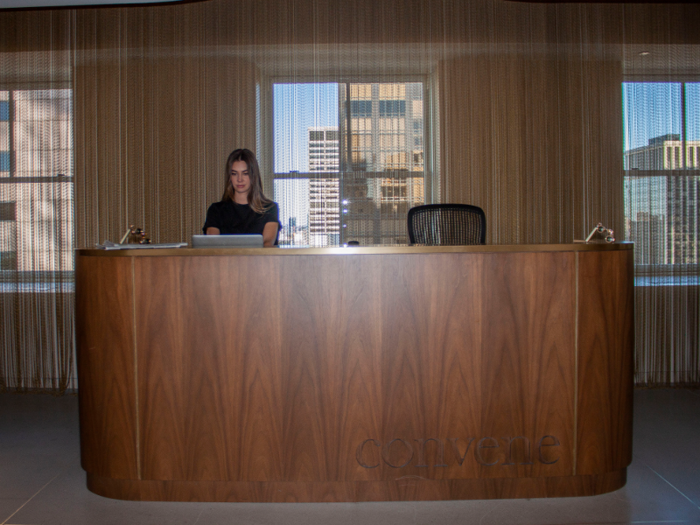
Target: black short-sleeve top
231 218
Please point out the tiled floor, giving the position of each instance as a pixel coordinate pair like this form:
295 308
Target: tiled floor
41 481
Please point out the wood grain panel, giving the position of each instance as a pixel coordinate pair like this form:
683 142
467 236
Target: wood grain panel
430 361
287 349
394 490
209 341
105 346
528 365
332 362
357 367
605 362
265 377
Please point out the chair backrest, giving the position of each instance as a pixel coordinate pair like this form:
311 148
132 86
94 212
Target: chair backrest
446 225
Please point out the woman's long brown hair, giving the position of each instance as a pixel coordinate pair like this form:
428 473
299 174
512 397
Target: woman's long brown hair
256 199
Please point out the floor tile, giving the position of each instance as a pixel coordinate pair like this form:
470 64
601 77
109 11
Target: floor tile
645 497
8 506
667 431
392 513
22 481
67 501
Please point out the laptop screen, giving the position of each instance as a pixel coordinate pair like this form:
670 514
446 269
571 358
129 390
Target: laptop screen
253 240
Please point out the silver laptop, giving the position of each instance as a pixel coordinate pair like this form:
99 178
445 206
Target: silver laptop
252 240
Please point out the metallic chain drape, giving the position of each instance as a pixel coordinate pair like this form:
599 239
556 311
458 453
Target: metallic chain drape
518 111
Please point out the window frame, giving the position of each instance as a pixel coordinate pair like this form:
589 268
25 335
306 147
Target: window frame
38 280
429 141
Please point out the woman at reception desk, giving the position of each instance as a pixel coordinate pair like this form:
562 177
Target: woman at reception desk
243 207
356 374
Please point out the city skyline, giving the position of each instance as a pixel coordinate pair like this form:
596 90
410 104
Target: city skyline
381 126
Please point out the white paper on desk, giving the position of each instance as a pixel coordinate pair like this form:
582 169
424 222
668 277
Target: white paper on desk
109 245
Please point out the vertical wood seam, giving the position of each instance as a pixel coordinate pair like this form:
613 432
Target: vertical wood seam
136 368
576 338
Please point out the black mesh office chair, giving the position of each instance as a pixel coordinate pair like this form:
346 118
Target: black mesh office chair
446 225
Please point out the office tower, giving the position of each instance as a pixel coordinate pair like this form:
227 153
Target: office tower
385 177
664 153
36 167
683 217
324 154
672 227
324 157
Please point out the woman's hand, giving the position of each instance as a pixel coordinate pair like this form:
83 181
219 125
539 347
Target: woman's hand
269 234
213 231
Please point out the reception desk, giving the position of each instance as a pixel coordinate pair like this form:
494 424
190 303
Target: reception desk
355 374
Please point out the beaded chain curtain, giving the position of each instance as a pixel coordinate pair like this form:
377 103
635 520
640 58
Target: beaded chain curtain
662 214
550 117
36 221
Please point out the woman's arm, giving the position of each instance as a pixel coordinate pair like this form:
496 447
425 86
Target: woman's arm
269 234
213 221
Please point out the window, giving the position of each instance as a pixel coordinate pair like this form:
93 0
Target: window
662 182
392 108
8 236
361 108
348 161
5 134
36 189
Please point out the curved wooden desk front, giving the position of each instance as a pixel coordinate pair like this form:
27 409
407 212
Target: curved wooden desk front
355 374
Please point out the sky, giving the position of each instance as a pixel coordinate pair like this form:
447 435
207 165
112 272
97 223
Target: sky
652 109
296 108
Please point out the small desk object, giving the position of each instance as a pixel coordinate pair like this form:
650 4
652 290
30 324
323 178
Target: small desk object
356 374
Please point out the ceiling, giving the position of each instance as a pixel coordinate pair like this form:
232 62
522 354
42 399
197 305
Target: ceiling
33 4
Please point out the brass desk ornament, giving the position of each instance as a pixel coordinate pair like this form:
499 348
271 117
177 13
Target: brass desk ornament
607 234
135 235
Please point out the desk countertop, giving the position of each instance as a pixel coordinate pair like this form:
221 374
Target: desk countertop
364 250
